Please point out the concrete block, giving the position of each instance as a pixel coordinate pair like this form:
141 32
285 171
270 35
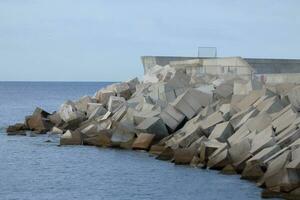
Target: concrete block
99 111
143 141
172 117
91 107
294 97
82 104
68 112
239 151
71 138
183 156
221 132
56 130
114 103
263 140
153 125
208 124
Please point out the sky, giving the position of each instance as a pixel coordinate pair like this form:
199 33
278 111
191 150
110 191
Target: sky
101 40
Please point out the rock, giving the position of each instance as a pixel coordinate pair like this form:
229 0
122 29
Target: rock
71 138
221 132
115 103
153 125
143 141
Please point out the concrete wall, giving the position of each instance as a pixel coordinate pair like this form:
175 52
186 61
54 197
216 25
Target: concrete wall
269 70
274 66
150 61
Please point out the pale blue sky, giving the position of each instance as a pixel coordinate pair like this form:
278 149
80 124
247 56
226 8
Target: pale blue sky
97 40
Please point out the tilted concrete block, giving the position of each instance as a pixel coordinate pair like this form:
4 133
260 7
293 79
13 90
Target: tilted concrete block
91 107
262 140
69 112
71 138
221 132
239 152
115 103
153 125
172 117
82 104
143 141
99 111
208 124
294 97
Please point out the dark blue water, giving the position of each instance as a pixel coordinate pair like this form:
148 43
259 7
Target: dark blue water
31 168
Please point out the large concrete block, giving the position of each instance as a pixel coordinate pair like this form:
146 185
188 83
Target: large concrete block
262 140
143 141
155 126
183 156
221 132
38 123
114 103
239 152
99 111
294 97
208 124
82 104
71 138
91 107
68 112
172 117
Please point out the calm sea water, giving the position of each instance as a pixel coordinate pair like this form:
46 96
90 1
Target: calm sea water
31 168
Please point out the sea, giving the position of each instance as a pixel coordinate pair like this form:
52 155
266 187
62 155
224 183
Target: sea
36 168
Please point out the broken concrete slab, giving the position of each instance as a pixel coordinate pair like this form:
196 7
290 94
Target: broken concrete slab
143 141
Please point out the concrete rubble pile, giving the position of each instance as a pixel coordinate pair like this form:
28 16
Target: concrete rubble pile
233 125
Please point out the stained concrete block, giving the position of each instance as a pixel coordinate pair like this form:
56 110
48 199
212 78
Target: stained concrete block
172 117
82 104
221 132
71 138
239 151
183 156
208 124
143 141
68 112
103 95
114 103
294 97
153 125
263 140
184 107
91 107
99 111
219 159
